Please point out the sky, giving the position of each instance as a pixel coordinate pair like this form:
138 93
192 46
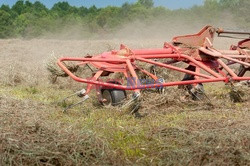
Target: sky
171 4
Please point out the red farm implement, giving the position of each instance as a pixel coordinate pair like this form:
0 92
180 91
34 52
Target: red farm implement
205 64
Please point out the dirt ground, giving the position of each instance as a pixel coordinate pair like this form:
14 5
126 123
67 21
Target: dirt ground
34 131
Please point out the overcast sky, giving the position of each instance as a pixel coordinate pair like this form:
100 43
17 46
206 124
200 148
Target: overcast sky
172 4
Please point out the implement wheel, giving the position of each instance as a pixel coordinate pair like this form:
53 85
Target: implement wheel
113 97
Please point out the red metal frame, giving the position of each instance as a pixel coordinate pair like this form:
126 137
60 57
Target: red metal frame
196 50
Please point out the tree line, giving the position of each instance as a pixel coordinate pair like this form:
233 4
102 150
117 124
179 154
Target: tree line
27 19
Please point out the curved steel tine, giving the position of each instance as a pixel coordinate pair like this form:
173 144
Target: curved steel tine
73 105
134 98
78 93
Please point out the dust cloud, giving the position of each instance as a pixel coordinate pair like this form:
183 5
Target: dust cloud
24 60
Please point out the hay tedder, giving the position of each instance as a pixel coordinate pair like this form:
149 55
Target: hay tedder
204 64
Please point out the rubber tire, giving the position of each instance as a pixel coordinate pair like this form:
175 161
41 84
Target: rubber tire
114 96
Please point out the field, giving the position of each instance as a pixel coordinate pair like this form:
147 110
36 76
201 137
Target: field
171 131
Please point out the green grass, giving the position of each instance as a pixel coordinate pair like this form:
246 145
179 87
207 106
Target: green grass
172 135
46 95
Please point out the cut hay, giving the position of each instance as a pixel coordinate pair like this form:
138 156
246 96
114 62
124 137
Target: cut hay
55 71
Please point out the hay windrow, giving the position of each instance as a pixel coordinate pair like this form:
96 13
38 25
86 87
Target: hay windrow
55 71
174 131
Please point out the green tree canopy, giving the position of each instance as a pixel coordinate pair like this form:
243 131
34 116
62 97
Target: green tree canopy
146 3
25 18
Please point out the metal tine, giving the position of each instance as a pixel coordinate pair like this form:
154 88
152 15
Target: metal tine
73 105
78 93
134 98
201 91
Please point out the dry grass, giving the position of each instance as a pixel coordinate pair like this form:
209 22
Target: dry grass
173 131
